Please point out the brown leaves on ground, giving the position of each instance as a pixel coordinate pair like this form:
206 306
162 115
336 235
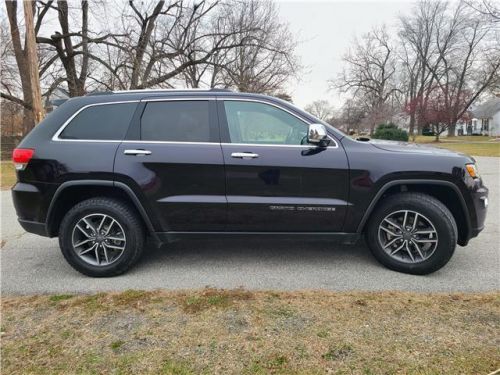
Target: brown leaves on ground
242 332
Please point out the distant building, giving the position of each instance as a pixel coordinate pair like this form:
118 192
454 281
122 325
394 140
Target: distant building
485 120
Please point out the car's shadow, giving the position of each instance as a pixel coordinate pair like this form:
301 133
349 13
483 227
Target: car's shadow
253 252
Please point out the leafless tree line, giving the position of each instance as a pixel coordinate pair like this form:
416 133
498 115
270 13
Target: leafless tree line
444 57
92 45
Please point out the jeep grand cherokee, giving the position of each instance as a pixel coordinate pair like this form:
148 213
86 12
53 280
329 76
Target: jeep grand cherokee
104 172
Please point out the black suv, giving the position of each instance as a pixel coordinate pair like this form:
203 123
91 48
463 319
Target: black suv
104 172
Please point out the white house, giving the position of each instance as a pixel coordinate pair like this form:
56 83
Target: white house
485 120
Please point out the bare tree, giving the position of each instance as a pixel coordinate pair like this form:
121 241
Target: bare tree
352 114
370 72
71 44
416 35
448 55
488 8
462 59
163 41
320 109
26 61
10 82
264 57
32 63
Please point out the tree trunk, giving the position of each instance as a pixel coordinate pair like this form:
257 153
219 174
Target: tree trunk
32 63
22 64
372 129
412 126
452 129
437 132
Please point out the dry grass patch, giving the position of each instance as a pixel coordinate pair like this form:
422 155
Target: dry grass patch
212 298
240 332
7 174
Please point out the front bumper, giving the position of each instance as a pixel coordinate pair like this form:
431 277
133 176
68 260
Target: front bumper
480 201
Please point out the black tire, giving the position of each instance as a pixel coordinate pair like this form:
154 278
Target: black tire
127 219
433 210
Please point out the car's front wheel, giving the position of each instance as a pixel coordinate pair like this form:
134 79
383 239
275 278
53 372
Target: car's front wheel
101 237
413 233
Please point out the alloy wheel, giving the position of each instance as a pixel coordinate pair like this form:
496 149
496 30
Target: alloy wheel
408 236
98 239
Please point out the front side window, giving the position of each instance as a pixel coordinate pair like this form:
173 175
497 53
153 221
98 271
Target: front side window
176 121
100 122
260 123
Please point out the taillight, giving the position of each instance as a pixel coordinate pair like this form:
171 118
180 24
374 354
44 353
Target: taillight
21 157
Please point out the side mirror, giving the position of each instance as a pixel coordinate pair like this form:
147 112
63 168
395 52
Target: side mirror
316 134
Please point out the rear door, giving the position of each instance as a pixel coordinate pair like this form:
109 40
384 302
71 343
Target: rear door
275 181
172 158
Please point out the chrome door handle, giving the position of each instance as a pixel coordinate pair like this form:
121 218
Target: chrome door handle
137 152
244 155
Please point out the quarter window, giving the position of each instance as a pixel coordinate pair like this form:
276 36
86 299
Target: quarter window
100 122
176 121
259 123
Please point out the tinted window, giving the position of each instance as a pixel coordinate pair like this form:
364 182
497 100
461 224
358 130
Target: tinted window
259 123
176 121
101 122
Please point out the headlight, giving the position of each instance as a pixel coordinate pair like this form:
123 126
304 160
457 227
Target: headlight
472 169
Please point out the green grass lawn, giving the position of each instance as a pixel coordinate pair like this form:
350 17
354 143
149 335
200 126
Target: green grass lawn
471 145
474 149
7 175
463 138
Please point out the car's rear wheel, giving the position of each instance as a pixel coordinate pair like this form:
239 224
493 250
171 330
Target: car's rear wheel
101 237
413 233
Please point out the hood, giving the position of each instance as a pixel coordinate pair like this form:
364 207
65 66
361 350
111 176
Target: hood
413 148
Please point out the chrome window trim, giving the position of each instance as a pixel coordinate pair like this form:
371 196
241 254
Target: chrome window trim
275 145
68 121
180 98
171 142
307 123
56 138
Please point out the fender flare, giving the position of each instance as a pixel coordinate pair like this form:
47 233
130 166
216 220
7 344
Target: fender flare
130 193
390 184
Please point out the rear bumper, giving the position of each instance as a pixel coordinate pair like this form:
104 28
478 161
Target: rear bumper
34 227
30 202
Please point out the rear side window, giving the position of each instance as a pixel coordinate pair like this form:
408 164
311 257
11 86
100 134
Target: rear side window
101 122
176 121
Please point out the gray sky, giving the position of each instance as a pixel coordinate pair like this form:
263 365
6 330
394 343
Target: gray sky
325 29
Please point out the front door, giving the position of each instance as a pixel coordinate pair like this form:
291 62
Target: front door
275 181
173 159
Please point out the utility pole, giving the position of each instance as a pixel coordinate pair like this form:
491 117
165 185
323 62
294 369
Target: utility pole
32 62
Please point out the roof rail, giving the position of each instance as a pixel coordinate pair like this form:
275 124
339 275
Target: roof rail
96 93
156 90
221 90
